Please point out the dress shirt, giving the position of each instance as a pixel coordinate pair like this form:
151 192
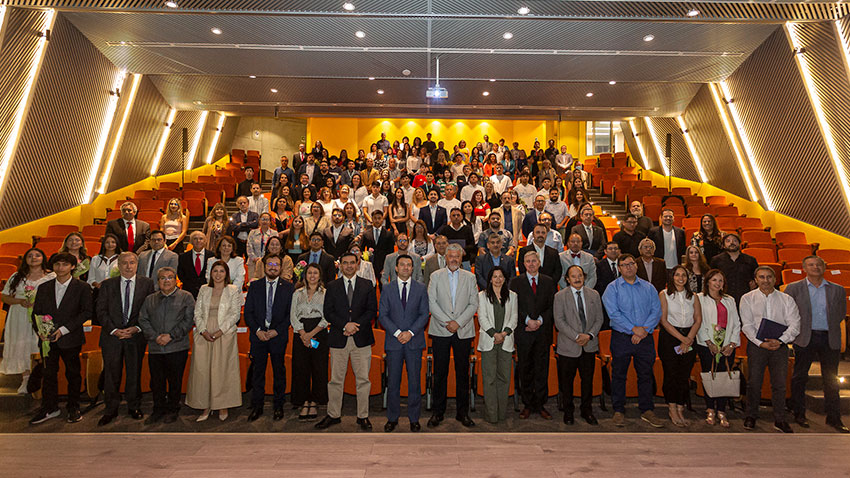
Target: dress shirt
401 285
632 305
670 256
648 267
306 308
555 240
60 293
589 230
535 278
315 256
613 266
777 306
817 298
132 295
453 277
259 204
680 309
350 282
508 215
540 252
558 210
433 208
575 257
310 169
336 230
198 256
496 260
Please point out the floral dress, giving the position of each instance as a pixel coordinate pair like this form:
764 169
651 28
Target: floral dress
20 339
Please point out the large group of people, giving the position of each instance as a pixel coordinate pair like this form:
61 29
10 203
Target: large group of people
493 232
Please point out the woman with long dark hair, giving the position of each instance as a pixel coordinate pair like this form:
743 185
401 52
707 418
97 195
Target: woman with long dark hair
310 344
708 238
399 212
105 263
697 266
497 319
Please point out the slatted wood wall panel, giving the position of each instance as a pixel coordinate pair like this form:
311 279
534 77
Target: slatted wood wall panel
59 138
682 163
789 149
172 157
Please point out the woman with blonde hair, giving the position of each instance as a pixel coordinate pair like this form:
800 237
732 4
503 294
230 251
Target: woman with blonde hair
215 226
174 224
75 245
326 200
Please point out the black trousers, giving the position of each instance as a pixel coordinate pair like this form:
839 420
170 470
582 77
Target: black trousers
677 368
443 348
260 353
118 355
241 247
567 367
818 348
50 383
533 349
167 380
310 370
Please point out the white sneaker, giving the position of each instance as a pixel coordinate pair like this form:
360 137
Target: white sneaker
22 390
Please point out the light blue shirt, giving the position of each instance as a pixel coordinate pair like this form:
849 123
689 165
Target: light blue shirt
817 297
453 276
632 305
496 260
314 257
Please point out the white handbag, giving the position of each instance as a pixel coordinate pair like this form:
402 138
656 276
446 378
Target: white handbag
721 384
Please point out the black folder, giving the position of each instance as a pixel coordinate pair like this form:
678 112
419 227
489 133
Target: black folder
769 329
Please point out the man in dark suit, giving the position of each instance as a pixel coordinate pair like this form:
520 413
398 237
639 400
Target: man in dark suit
119 301
317 255
191 265
379 239
133 234
593 237
533 337
433 215
321 176
351 307
649 267
244 187
532 218
606 273
437 260
404 314
303 183
493 258
299 157
157 257
242 222
669 241
310 168
267 317
547 256
338 237
69 302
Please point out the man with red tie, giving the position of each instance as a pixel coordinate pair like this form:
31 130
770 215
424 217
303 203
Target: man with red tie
133 234
191 265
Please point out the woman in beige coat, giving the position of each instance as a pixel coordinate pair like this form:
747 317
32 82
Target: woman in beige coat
497 319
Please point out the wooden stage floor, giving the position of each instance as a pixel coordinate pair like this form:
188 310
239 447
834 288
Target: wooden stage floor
443 455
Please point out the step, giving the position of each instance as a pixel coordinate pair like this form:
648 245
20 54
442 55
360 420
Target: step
815 401
815 381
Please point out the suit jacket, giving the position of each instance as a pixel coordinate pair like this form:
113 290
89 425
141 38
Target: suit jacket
836 310
600 239
388 275
517 220
141 235
110 312
604 276
528 223
484 264
255 313
236 225
192 281
299 188
440 301
297 159
326 263
394 317
343 242
229 309
442 218
657 236
487 321
586 262
362 310
534 305
164 258
551 262
432 264
568 323
76 308
382 246
659 273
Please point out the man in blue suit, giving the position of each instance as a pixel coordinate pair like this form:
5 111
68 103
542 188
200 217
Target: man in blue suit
404 314
267 316
432 215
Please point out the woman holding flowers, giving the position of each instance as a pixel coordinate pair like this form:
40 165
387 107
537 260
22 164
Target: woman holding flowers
75 245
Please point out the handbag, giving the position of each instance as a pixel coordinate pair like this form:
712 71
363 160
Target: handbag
720 384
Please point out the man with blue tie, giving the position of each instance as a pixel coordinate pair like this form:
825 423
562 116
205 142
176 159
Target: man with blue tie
267 316
317 255
403 313
433 215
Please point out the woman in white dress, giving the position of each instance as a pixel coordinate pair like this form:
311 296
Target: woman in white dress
327 201
103 264
364 268
20 340
225 251
358 191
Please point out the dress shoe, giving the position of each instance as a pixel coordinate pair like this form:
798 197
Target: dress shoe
327 422
42 416
136 414
155 417
74 415
525 413
801 420
170 418
749 423
590 419
278 414
365 424
782 427
569 420
415 427
434 421
390 426
619 419
255 414
545 414
839 427
106 419
466 421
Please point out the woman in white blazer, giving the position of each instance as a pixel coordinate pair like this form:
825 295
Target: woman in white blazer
497 318
214 380
719 318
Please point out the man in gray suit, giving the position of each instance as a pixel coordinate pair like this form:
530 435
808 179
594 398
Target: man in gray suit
822 307
157 257
389 273
574 256
453 300
578 318
437 260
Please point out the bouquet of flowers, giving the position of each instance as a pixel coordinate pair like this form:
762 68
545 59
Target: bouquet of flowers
717 339
367 253
29 294
81 268
45 326
299 269
114 272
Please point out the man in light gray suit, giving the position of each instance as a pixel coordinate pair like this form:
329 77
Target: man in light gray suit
574 256
453 300
389 273
437 260
157 257
578 318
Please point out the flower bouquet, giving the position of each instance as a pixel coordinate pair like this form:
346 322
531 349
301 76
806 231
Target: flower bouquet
367 253
718 338
45 326
299 269
114 272
81 268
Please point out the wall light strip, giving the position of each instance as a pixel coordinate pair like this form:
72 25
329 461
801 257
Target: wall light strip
2 20
216 135
745 141
639 145
26 97
107 174
730 133
160 149
661 158
199 131
692 148
105 127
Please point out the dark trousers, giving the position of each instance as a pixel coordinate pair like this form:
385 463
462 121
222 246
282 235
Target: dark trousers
118 355
443 348
567 367
310 370
533 350
818 348
777 362
50 383
412 359
167 380
260 353
677 367
705 359
622 353
241 247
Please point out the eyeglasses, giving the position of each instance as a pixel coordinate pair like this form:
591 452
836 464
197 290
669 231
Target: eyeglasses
273 264
628 264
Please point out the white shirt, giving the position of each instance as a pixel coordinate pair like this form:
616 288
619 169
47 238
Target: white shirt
401 285
408 193
60 293
311 167
372 203
670 258
468 190
778 307
352 282
433 209
526 193
680 309
449 204
500 183
259 204
540 251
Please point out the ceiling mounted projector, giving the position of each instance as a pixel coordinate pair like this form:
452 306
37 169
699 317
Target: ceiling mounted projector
437 91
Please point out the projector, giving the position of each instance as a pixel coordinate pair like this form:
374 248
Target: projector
437 92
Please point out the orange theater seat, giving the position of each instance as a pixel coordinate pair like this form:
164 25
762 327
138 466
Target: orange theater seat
169 185
727 211
792 275
681 191
144 194
691 223
791 237
834 255
698 210
114 214
756 236
14 248
750 224
12 260
716 200
838 276
60 230
150 217
793 255
49 247
94 230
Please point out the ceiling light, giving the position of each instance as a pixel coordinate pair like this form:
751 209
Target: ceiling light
252 76
371 77
380 92
216 30
171 4
485 93
274 90
508 35
694 12
348 6
492 80
649 38
589 94
359 34
523 10
612 82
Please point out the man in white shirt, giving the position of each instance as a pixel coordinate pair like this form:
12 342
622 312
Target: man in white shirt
525 190
501 182
407 189
257 202
468 190
670 243
545 186
770 320
449 201
375 201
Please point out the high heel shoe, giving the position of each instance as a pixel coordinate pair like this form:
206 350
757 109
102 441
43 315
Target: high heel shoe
685 421
305 412
222 414
724 422
203 416
313 413
709 417
673 410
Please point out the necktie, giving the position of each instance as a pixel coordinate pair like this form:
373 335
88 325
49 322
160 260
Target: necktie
581 315
153 262
404 295
442 261
131 236
269 304
589 235
314 259
350 292
126 315
198 264
614 269
534 285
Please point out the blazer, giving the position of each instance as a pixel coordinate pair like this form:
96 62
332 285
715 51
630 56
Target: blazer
191 280
600 239
659 273
441 216
569 325
836 310
516 222
255 313
382 246
110 312
440 301
529 221
657 236
141 235
388 275
297 159
534 305
604 276
326 263
236 225
432 264
709 320
229 309
164 258
394 317
586 262
341 245
484 264
76 308
551 262
363 311
486 322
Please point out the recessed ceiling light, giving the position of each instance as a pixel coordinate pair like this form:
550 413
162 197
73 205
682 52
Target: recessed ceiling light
171 4
380 92
694 12
216 30
589 94
371 77
252 76
612 82
649 38
274 90
485 93
359 34
508 35
523 10
492 80
405 72
348 6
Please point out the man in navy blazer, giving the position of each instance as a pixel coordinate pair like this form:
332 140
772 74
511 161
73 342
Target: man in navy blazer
487 261
269 333
404 314
433 215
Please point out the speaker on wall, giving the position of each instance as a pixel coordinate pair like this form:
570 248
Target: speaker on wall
185 140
